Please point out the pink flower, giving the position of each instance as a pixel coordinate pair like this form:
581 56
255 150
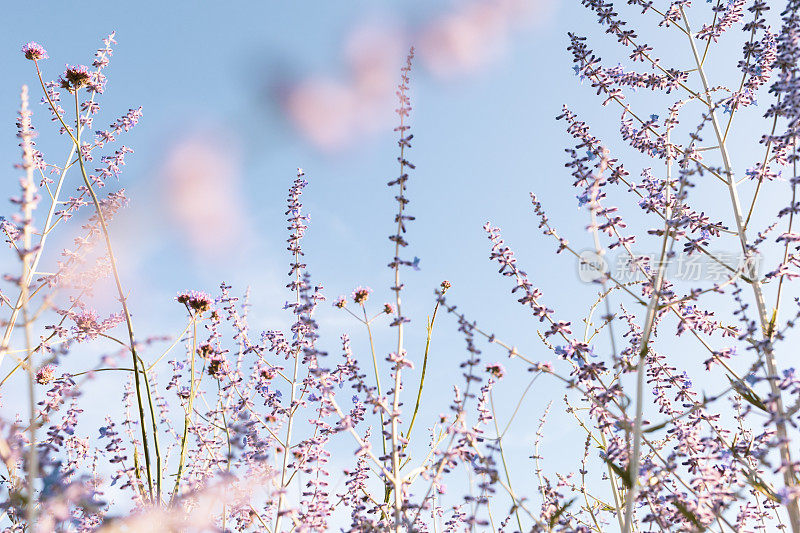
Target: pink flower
496 369
195 300
361 294
75 77
45 375
34 51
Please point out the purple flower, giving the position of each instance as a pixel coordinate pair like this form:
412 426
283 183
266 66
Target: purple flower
496 369
361 294
34 51
45 375
76 77
195 300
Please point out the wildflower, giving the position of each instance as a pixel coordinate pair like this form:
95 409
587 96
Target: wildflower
445 285
561 327
88 325
205 350
216 368
75 77
388 308
399 360
496 369
361 294
45 375
267 373
340 302
34 51
195 300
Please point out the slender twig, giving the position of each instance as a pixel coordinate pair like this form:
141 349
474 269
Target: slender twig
375 369
187 420
424 369
499 440
658 279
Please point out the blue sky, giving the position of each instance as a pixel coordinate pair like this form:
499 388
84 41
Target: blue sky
212 76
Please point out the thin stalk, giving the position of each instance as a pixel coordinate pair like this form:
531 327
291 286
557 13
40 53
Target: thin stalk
27 271
375 368
500 447
640 364
424 369
292 410
174 343
771 330
187 420
33 457
601 252
397 480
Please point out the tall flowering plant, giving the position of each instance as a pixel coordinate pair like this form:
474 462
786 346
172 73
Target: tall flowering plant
230 428
722 461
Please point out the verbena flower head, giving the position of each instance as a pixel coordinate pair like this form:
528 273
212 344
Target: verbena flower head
361 295
76 77
496 369
205 350
34 51
340 302
197 301
45 375
388 309
217 366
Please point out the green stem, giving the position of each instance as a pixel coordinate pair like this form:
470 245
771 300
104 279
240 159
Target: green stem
377 374
424 368
187 420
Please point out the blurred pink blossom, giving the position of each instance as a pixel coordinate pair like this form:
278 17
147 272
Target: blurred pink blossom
332 112
203 181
